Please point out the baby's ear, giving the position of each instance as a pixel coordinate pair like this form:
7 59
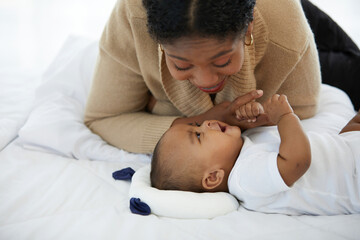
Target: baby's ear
213 179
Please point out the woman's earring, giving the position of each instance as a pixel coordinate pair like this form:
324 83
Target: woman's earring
251 41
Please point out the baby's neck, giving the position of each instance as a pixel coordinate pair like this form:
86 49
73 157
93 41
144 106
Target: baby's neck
227 172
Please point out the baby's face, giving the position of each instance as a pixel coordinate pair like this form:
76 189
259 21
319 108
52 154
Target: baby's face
214 143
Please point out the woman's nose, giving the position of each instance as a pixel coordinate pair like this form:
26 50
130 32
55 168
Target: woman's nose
205 78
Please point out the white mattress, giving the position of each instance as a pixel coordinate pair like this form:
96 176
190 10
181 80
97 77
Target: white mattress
56 176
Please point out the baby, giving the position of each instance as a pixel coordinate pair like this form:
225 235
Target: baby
297 173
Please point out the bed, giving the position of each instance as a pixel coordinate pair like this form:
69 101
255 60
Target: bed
56 176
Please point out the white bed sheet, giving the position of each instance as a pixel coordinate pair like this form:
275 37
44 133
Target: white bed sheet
46 194
16 95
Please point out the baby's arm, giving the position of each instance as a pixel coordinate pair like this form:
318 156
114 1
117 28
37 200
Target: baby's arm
249 111
294 156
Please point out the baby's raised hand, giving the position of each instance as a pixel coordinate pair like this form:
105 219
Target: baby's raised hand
276 107
249 111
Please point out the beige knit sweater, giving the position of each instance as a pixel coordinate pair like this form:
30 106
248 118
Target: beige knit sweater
283 59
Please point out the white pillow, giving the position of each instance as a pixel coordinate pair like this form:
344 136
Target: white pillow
55 123
180 204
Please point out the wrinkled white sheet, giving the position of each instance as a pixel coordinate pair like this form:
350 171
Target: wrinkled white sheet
16 95
46 194
59 107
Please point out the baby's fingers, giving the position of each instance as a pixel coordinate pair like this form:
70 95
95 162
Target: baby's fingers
238 114
275 98
241 113
252 111
244 112
257 109
283 98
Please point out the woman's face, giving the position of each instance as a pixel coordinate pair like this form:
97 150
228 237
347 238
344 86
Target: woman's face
206 62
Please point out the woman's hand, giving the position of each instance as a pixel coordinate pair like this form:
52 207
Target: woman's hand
245 115
226 112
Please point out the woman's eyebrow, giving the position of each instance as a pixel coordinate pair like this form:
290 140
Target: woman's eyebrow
221 53
212 58
177 57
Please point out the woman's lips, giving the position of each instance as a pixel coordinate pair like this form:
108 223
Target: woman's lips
213 89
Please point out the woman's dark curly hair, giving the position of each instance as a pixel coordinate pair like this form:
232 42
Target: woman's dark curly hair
169 20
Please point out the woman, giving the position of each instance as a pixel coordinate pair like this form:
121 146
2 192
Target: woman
188 61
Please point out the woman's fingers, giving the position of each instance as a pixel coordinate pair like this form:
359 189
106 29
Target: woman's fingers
244 99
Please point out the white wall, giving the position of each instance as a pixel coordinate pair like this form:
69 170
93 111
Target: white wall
32 31
346 13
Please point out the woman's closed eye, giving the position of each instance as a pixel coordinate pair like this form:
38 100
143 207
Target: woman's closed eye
220 64
183 68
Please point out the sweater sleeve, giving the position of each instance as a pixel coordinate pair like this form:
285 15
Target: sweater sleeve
302 85
116 104
290 65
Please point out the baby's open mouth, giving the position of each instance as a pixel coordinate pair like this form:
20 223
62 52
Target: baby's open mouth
222 128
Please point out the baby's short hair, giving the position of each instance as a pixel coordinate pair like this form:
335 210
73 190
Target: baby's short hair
167 175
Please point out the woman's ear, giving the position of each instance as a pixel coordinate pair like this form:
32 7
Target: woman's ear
250 28
213 179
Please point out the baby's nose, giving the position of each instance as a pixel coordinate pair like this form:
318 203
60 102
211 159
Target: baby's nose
213 125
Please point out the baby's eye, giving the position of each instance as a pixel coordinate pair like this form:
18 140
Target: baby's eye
197 124
197 135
